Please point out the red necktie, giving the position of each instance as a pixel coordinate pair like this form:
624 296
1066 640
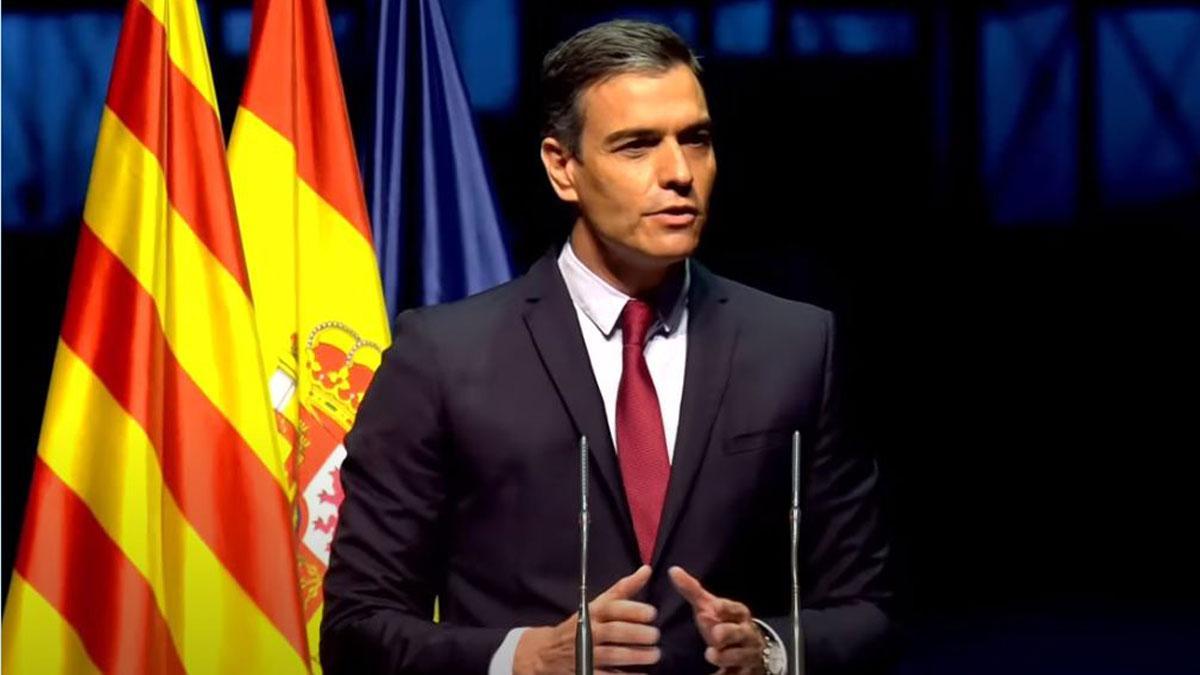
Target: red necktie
641 444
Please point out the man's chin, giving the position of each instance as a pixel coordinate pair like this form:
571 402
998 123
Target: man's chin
673 250
667 259
658 252
672 245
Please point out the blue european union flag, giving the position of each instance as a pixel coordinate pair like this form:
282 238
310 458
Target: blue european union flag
437 230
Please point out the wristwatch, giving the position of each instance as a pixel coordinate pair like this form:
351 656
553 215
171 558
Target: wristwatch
773 654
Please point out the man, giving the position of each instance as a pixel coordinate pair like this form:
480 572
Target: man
461 480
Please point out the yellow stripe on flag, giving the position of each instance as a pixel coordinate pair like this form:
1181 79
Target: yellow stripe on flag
113 467
204 312
314 634
340 269
41 641
340 277
185 43
262 166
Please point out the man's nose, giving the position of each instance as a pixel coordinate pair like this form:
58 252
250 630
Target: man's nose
674 171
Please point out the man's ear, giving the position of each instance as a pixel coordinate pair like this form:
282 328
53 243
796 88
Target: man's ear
557 161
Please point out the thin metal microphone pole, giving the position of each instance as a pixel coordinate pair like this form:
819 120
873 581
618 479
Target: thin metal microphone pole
797 656
583 629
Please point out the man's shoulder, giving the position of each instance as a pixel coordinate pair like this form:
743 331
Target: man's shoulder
762 309
478 319
469 315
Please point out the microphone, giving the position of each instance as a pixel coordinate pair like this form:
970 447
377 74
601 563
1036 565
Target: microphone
797 655
583 629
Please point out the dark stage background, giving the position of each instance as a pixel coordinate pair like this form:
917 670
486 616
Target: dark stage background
1000 200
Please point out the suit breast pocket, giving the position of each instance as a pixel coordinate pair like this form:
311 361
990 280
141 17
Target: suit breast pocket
757 441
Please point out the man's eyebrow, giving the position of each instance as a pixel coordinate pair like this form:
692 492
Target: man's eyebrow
619 135
705 124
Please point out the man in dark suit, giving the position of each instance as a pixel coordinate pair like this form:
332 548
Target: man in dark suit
461 478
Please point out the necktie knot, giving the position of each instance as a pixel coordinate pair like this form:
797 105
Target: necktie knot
635 322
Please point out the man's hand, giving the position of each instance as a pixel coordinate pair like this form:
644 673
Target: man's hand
735 644
621 634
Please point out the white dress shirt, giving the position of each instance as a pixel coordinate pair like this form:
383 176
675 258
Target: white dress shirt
598 307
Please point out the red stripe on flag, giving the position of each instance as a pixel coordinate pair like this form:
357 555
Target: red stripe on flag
68 557
324 142
135 92
319 127
191 148
197 177
268 92
221 485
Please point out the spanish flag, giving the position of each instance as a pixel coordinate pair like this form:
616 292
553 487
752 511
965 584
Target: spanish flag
157 536
318 299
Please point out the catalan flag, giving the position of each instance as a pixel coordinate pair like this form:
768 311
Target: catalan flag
317 293
157 536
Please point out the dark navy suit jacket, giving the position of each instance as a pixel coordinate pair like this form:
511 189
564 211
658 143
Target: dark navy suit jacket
461 484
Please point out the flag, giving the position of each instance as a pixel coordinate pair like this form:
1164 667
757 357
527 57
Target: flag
157 533
313 272
436 226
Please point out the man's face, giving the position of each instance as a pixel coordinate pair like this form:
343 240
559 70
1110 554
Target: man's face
646 166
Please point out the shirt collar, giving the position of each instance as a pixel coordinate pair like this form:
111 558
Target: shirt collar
602 304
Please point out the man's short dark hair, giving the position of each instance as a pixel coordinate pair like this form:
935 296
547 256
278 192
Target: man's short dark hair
598 53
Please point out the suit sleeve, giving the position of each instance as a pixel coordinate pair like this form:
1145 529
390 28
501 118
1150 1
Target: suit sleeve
845 618
389 556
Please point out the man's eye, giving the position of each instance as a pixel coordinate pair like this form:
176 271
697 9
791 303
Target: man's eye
699 139
634 146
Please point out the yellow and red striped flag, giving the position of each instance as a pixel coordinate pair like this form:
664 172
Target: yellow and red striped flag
318 299
157 536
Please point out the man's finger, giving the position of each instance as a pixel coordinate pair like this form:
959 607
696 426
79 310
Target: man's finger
624 633
730 635
734 657
732 611
626 587
689 587
610 656
622 610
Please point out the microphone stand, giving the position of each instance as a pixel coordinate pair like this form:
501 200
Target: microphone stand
583 629
797 655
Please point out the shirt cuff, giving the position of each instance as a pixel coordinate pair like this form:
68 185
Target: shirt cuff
502 658
764 627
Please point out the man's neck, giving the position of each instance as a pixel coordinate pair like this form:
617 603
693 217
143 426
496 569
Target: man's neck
633 280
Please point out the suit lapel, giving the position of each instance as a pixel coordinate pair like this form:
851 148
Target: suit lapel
554 326
712 334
